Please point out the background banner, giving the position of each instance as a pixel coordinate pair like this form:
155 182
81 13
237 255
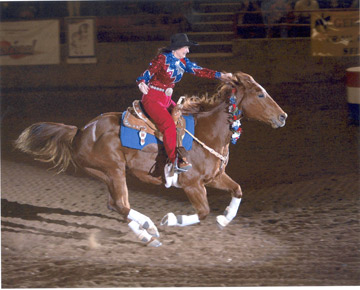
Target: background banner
335 33
30 42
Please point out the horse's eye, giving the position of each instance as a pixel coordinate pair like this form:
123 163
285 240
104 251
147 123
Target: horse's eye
261 96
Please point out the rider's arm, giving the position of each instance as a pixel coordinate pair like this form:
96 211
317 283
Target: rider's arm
199 71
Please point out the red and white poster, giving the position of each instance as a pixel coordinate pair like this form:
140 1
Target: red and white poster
30 42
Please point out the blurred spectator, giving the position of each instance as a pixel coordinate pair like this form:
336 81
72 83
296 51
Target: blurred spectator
355 4
253 16
242 10
275 12
305 6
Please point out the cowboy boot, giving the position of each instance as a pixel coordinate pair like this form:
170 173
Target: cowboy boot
181 163
184 165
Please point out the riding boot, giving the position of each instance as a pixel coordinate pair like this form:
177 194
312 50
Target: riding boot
181 163
184 165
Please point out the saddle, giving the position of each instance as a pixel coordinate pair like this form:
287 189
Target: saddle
136 118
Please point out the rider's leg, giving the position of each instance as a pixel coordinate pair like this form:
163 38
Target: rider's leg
163 120
156 105
183 164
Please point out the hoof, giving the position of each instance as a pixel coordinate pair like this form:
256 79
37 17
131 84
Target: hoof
154 243
169 220
222 221
151 229
154 232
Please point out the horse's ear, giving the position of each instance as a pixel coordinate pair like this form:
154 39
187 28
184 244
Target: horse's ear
235 81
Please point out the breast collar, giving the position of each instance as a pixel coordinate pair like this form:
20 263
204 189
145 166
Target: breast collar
236 116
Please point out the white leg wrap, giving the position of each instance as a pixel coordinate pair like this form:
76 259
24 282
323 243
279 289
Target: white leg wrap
232 209
171 178
141 219
187 220
230 212
181 220
144 221
141 234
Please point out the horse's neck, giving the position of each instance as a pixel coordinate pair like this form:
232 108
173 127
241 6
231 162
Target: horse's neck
213 128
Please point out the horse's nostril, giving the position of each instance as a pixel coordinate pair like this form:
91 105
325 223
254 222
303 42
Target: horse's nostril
283 117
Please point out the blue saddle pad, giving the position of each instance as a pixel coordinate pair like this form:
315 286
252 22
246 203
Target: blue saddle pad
130 137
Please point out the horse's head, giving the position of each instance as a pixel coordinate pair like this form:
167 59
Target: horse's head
255 102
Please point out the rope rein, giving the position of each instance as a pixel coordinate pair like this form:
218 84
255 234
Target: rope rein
212 151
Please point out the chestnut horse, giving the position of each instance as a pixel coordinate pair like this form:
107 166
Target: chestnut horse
97 149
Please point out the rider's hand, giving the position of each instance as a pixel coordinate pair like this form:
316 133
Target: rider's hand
226 77
144 88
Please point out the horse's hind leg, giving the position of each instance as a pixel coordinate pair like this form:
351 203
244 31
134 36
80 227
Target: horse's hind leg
140 224
103 177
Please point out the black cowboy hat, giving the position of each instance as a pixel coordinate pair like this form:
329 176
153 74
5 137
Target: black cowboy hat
180 40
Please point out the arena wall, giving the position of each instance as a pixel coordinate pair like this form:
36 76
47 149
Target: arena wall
119 64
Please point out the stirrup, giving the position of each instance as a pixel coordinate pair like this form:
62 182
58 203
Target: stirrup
178 169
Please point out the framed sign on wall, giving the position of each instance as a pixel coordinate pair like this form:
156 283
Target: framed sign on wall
81 39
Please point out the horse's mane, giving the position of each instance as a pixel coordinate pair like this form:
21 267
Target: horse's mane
196 104
205 103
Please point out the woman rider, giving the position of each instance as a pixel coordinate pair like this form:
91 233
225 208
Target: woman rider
157 84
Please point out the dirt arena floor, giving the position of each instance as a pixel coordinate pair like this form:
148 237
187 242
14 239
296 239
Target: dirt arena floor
298 223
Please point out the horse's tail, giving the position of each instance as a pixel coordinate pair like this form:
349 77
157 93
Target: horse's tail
49 142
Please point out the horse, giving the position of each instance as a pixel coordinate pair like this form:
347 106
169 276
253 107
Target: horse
97 149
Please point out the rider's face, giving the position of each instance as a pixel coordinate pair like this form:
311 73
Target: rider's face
181 52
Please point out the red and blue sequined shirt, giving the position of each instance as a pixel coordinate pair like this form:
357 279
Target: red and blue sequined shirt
165 70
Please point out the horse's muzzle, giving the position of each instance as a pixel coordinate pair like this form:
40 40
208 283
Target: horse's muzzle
280 121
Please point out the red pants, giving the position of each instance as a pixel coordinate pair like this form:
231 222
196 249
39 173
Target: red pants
156 105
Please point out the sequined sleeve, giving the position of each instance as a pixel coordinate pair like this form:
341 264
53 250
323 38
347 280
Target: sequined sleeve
154 67
199 71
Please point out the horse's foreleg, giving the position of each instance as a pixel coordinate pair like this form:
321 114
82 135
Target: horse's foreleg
197 196
224 182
